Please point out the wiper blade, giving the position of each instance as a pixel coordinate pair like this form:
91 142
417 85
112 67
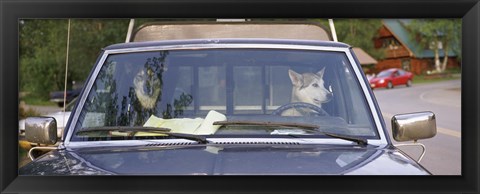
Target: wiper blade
269 123
123 129
197 138
307 127
136 129
358 140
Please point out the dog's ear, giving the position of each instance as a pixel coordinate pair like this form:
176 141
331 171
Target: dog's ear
297 79
321 72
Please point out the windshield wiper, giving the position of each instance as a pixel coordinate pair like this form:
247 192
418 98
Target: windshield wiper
197 138
136 129
358 140
124 129
306 127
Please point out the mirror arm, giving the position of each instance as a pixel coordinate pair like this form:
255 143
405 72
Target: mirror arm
424 149
39 148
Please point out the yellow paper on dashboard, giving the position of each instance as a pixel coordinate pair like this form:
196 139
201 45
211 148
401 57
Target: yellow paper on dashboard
186 125
207 127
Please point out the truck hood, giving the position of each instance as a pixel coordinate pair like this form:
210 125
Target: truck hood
225 160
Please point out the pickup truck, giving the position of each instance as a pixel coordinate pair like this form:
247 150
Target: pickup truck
201 105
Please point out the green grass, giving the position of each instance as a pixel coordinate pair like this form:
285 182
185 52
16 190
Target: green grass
419 79
33 100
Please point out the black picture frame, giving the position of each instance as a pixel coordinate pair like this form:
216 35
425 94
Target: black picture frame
12 11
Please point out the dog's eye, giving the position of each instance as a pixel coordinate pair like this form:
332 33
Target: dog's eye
315 85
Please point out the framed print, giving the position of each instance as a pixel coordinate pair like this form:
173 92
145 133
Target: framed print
125 134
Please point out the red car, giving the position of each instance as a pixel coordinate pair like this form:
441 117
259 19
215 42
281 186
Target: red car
390 78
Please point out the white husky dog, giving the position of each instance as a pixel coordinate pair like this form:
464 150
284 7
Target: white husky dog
308 88
147 87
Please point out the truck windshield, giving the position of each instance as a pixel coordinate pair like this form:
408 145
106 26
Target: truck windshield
191 91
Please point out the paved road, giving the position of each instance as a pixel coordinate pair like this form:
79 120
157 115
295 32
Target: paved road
443 155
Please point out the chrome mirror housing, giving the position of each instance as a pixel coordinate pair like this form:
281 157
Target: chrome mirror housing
414 126
42 130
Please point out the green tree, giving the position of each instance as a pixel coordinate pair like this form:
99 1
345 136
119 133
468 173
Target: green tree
357 33
87 38
438 35
40 55
43 45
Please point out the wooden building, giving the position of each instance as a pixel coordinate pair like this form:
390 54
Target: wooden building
404 53
366 61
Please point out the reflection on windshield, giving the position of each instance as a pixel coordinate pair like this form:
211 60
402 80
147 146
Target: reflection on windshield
188 90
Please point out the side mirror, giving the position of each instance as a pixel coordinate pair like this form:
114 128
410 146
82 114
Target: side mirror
42 130
414 126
